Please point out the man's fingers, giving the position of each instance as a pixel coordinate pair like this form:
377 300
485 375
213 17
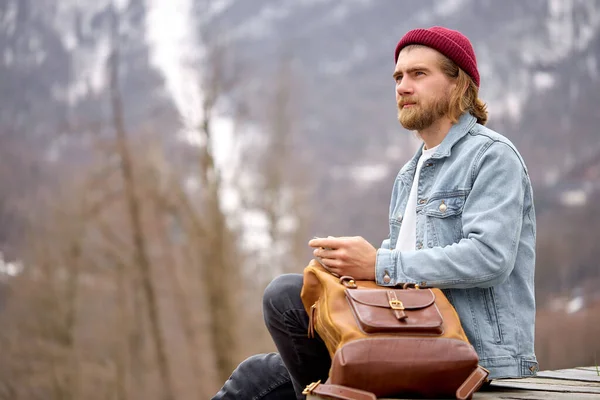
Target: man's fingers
332 263
326 253
329 242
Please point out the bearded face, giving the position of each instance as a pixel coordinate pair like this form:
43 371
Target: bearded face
423 90
417 113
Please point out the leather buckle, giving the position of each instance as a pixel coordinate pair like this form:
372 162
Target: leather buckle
396 304
309 388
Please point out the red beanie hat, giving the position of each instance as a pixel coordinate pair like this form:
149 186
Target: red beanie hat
450 43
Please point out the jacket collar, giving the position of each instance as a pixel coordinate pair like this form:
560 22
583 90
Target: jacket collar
457 131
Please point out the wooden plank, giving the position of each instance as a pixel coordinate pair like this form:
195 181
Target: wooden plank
513 395
576 383
595 370
571 374
533 395
548 385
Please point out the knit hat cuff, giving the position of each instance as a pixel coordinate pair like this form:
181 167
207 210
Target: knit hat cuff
445 45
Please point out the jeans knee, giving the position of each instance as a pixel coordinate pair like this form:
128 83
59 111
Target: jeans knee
253 364
257 377
263 370
282 293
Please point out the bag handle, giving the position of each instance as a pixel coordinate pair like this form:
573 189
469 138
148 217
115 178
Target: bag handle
464 392
348 282
408 285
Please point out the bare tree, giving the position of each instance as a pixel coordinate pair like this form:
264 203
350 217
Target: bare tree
168 207
219 272
141 259
286 189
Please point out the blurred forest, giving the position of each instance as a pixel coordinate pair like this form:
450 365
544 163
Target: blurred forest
162 160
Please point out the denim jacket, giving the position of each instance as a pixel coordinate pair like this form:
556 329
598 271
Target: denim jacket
475 239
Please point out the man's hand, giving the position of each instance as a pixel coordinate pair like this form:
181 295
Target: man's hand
352 256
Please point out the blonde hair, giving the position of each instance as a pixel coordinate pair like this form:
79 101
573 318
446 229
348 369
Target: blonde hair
465 96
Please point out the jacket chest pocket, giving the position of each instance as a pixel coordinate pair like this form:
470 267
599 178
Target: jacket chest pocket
444 220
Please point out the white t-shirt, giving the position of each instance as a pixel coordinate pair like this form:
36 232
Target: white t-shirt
408 231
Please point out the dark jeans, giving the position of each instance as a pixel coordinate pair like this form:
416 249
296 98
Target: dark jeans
300 361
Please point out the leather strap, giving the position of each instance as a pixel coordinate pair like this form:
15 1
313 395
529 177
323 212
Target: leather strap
397 306
338 392
472 383
464 392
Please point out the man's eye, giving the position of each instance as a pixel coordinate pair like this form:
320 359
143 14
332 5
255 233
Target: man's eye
417 73
398 78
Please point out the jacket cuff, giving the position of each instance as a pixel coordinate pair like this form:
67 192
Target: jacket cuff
385 267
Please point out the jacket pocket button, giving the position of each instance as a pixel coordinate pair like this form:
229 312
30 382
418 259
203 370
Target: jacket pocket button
387 279
443 207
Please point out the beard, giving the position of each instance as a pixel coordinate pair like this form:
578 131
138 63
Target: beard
421 115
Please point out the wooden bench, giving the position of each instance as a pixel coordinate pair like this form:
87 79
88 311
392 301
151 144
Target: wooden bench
568 384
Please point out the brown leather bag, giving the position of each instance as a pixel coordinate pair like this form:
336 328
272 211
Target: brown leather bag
388 341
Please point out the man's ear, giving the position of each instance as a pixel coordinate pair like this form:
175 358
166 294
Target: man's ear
453 85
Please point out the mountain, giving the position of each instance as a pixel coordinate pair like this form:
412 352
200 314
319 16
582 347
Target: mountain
540 77
54 92
538 61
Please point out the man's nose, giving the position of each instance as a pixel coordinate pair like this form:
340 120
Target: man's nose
403 87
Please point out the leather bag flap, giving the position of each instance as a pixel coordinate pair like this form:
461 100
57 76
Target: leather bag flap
412 299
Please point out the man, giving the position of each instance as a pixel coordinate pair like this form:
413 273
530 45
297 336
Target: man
461 219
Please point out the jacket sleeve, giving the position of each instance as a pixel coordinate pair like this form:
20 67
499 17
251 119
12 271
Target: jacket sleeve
492 219
386 244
